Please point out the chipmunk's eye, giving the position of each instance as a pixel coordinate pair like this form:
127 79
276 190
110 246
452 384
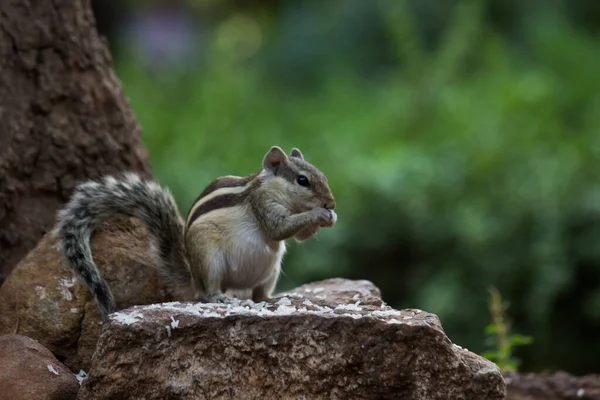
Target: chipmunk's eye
302 180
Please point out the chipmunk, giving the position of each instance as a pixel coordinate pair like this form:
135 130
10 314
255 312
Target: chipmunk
233 237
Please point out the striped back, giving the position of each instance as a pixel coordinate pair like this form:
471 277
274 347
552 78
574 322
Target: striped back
226 191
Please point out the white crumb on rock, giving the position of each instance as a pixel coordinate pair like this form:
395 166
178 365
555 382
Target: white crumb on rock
323 309
285 310
348 307
66 293
74 310
172 304
580 392
239 310
51 369
41 292
64 285
282 307
284 301
81 376
209 314
68 283
259 306
128 319
265 312
387 313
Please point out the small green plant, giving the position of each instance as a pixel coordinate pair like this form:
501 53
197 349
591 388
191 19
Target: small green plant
499 337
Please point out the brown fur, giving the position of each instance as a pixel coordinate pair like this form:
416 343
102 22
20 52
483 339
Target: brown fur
235 238
226 200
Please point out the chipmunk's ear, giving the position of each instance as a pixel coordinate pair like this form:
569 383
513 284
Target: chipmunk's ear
296 153
274 158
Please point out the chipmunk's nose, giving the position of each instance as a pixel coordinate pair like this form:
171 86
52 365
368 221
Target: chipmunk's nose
330 204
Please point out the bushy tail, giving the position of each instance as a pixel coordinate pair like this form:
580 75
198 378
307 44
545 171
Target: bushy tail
95 201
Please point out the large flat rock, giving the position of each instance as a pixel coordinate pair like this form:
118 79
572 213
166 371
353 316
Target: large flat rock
295 348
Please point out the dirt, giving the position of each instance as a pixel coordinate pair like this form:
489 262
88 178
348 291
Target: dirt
553 386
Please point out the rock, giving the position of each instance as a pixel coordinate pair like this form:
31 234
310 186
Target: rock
338 291
552 386
29 371
291 348
43 299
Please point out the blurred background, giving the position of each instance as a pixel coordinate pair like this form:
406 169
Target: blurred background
460 137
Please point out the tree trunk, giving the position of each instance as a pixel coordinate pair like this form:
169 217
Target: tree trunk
63 117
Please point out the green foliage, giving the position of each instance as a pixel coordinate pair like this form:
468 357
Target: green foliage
499 338
469 164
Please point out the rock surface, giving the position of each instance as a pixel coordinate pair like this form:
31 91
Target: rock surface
552 386
334 291
295 347
43 299
29 371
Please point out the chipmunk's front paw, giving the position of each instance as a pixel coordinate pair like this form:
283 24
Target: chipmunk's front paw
326 218
333 218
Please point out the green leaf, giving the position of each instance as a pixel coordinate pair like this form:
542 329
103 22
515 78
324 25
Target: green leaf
520 340
491 329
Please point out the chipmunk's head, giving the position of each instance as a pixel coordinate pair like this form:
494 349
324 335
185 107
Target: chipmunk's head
294 182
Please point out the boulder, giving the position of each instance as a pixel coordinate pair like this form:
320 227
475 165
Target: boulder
296 347
29 371
44 300
558 385
334 291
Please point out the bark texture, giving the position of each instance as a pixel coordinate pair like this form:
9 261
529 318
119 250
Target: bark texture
63 116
